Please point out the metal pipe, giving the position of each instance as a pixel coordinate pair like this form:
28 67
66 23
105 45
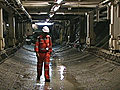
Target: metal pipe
105 2
23 9
20 6
13 8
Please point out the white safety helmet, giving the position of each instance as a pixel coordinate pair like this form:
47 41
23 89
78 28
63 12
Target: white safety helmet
45 29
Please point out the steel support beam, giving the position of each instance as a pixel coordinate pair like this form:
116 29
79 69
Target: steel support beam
11 31
2 44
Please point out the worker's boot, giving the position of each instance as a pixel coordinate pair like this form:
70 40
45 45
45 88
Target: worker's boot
47 80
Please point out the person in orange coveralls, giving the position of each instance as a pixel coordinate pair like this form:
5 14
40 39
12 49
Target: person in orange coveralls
43 49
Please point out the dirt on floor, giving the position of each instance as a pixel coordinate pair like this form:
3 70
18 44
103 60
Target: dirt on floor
90 71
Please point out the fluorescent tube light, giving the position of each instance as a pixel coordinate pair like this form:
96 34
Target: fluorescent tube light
59 1
56 8
44 23
51 15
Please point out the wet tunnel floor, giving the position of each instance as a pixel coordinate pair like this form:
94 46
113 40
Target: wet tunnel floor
19 73
69 70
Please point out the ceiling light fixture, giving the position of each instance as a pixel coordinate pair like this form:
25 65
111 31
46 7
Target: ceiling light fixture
69 8
56 8
60 13
59 1
43 13
47 20
45 23
51 15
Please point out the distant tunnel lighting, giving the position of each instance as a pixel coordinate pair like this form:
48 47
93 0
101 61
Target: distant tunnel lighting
7 25
59 1
86 13
47 20
55 8
60 13
44 23
43 13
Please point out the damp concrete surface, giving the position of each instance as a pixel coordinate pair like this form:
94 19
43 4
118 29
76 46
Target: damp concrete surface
69 70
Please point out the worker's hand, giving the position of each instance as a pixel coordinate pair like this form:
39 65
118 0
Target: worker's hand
37 54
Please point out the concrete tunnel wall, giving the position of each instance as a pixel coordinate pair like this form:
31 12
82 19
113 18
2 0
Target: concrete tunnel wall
101 27
114 27
13 29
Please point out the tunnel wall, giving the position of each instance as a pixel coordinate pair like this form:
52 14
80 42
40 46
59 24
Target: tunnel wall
114 41
101 30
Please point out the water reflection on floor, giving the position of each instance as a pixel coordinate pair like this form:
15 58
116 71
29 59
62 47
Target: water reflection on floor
58 79
59 76
87 72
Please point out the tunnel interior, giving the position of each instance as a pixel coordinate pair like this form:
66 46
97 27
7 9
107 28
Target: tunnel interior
85 44
80 23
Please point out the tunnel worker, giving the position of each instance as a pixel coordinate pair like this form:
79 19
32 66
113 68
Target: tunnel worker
43 49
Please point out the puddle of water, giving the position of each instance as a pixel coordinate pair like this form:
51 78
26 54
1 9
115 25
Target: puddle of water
59 76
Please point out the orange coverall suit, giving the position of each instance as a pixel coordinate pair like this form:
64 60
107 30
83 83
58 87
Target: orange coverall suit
43 47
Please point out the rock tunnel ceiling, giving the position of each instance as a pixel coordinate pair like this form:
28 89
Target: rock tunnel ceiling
40 9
